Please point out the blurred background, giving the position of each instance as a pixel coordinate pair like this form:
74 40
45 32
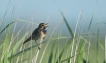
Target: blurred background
49 11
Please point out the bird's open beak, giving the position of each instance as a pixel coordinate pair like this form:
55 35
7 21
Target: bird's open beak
47 25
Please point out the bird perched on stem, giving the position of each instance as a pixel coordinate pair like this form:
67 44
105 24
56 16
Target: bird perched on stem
38 33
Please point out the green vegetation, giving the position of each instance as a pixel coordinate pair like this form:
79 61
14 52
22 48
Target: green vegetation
76 50
79 55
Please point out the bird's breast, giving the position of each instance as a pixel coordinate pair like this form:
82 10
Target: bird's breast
43 34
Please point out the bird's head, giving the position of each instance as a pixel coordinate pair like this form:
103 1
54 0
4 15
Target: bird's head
43 25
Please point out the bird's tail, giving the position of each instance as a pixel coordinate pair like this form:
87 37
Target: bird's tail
27 40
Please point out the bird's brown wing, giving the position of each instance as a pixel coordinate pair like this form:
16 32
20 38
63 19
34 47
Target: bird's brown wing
35 33
27 40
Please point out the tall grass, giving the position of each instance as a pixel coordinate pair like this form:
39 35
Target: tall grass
74 51
8 55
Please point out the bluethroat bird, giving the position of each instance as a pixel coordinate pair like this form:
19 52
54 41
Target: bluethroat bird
38 33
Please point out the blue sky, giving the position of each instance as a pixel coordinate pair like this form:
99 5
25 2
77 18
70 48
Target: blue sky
42 10
46 8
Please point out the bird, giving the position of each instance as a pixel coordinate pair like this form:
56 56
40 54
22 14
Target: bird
39 32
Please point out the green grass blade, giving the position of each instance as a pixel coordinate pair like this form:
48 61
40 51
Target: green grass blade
51 57
98 40
24 51
6 27
1 46
92 17
23 60
56 53
97 45
66 59
11 58
67 24
5 44
90 23
17 45
61 54
5 47
1 23
81 51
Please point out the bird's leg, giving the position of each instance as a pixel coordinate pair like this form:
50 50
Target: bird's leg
43 38
38 47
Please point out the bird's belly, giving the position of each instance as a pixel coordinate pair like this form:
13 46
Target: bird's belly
42 34
37 37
